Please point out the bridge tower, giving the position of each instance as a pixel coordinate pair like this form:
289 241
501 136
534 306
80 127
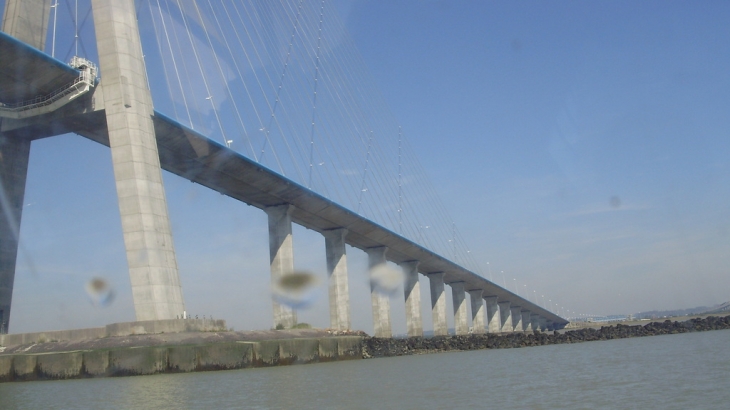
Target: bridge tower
127 102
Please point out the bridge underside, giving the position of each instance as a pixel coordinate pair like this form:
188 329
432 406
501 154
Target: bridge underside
193 156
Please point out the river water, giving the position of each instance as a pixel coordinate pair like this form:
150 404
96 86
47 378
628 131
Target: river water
669 372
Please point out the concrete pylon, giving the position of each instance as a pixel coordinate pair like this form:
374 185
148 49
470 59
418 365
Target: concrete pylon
505 316
526 321
535 321
516 318
494 324
412 294
438 303
477 311
26 20
461 321
380 302
282 259
153 271
339 293
543 324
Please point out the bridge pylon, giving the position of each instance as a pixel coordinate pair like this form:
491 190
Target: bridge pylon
127 103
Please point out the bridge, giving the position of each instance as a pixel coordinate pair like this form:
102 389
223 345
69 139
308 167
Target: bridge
41 97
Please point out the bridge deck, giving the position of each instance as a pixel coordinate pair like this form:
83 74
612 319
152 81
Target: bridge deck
195 157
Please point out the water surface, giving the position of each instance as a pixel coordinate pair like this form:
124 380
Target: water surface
670 372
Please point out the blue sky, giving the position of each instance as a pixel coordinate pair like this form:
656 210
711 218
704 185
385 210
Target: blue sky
581 148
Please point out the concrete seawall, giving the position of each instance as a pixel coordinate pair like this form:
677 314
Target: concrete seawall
147 360
116 329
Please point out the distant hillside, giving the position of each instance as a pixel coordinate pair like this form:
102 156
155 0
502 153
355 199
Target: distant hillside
699 310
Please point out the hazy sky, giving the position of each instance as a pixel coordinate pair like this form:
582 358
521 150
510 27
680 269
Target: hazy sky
581 147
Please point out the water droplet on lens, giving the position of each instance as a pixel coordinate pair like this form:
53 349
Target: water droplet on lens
297 290
100 292
615 202
385 279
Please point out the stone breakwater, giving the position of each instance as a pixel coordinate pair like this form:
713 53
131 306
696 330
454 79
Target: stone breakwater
377 347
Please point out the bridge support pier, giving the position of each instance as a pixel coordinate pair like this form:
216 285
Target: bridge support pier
461 322
505 315
380 302
526 323
535 322
493 322
148 240
281 258
412 294
26 20
543 324
339 293
14 155
438 303
516 318
477 311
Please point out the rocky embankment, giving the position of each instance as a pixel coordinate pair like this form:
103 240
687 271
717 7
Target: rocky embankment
377 347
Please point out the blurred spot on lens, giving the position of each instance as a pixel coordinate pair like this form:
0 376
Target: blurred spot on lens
100 292
615 202
384 279
297 290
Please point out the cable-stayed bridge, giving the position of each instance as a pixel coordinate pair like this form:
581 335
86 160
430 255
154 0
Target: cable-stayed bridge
265 102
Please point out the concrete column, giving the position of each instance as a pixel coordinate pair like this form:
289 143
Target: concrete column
543 324
516 318
461 321
282 258
13 170
549 325
380 302
438 303
153 271
27 21
477 311
505 316
535 322
339 293
412 293
494 324
526 322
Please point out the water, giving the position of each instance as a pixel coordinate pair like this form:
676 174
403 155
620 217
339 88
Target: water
668 372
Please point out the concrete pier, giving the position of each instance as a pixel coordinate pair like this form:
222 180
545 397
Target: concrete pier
505 316
148 240
526 321
26 20
461 320
380 302
494 323
438 303
339 293
281 258
477 311
516 318
535 321
412 294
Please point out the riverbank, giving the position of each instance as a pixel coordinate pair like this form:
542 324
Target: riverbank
376 347
182 352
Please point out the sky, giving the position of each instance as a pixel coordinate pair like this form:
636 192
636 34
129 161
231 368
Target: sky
581 148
